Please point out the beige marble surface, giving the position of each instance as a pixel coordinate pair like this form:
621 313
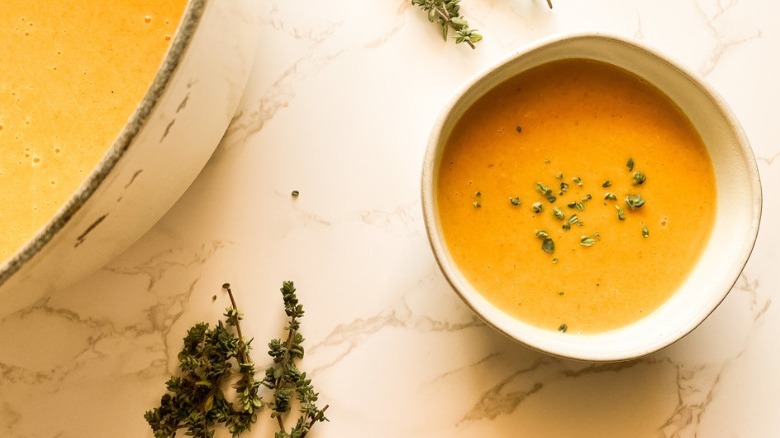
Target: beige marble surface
339 107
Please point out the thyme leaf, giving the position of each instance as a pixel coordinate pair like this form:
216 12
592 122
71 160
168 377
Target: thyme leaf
635 201
638 178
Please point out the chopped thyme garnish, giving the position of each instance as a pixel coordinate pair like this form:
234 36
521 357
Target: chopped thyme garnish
630 164
635 201
587 241
537 207
515 201
519 128
610 196
564 188
558 213
562 328
546 191
577 180
620 213
645 232
559 175
295 193
477 203
606 184
555 260
638 178
548 246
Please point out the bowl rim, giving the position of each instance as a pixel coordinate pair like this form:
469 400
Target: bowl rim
498 319
188 25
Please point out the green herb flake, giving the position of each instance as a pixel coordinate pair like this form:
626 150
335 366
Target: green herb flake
577 180
559 175
560 292
573 219
515 201
537 207
621 214
645 232
546 191
562 328
638 179
295 193
548 246
606 183
587 241
635 201
519 128
555 260
558 213
543 189
610 196
630 164
541 234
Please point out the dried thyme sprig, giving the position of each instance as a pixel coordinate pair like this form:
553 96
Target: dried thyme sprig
196 401
284 378
446 13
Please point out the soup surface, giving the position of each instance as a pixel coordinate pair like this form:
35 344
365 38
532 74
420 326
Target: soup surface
71 74
576 196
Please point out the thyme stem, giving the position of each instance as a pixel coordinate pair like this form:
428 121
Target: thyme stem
241 344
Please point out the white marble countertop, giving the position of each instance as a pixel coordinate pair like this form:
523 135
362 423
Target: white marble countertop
339 107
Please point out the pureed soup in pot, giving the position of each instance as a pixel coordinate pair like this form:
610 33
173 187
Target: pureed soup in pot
575 196
71 74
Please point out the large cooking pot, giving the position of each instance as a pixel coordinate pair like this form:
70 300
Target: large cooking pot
167 141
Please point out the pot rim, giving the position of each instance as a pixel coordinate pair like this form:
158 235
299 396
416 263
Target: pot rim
182 38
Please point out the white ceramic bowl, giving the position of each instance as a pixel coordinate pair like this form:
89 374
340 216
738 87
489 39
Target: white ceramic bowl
736 222
158 154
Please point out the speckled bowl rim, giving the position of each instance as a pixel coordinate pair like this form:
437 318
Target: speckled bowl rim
188 25
500 320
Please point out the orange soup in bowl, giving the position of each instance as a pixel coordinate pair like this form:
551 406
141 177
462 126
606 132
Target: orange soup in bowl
72 74
575 196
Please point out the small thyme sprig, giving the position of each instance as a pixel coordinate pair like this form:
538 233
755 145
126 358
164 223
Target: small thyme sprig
284 378
196 401
446 13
